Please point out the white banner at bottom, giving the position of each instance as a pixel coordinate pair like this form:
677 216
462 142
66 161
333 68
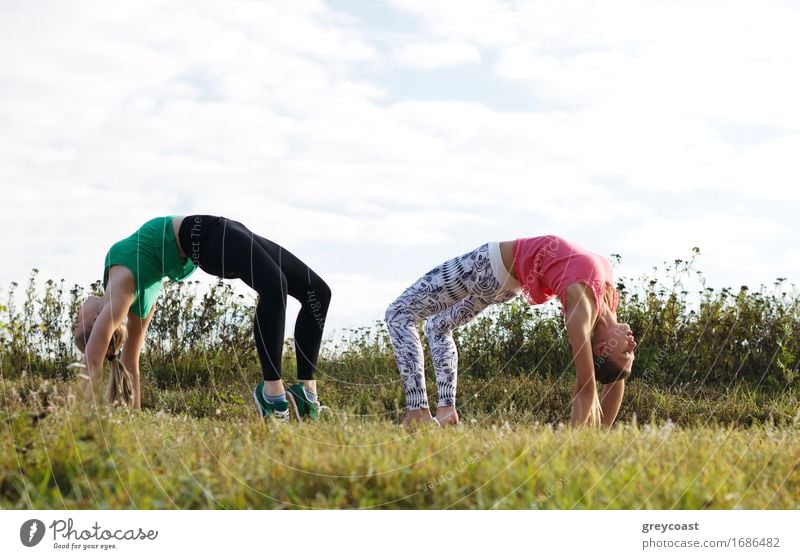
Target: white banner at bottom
134 534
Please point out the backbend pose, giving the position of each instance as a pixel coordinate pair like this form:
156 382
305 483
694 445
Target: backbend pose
455 292
174 247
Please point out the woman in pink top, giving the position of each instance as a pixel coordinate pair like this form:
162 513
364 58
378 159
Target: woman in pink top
541 268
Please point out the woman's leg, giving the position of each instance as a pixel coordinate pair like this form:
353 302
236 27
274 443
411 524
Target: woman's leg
229 250
438 290
314 295
439 331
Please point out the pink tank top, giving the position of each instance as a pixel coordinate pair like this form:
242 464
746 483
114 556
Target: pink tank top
547 265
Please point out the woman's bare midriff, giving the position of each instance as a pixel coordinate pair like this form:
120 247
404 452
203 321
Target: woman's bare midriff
176 227
507 252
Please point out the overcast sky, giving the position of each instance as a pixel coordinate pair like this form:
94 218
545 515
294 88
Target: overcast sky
377 139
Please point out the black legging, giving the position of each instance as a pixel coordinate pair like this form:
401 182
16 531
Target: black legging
226 248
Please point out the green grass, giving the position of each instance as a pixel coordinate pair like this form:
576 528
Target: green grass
709 420
227 458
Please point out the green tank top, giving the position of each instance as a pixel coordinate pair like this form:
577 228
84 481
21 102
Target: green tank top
151 254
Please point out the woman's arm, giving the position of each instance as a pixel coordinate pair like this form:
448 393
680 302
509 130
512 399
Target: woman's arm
97 346
579 330
611 400
137 329
112 315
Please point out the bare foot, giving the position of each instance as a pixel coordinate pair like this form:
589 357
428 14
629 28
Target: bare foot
447 415
420 416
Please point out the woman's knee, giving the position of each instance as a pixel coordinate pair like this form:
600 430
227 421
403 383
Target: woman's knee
435 325
321 292
396 313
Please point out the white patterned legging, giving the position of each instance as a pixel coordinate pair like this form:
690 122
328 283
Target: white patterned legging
450 295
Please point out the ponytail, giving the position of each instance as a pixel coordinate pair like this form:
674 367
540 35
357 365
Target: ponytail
120 384
596 415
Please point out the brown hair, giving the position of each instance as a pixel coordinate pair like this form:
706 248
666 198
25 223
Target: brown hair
120 384
606 371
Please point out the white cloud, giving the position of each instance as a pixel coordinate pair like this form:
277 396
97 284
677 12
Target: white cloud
282 115
430 55
677 59
358 295
735 249
487 22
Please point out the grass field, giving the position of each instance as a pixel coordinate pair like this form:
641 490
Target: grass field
71 458
710 418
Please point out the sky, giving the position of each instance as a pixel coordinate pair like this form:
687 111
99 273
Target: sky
377 139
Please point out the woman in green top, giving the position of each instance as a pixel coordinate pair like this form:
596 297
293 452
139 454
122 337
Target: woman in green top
174 247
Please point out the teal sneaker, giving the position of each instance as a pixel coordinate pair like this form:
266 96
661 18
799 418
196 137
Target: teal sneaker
279 411
300 405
